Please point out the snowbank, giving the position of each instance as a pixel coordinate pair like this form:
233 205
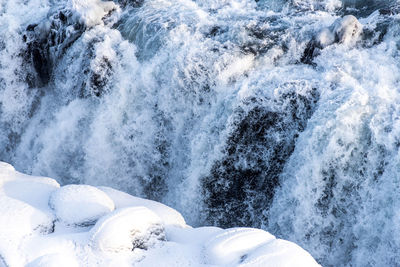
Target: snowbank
127 229
43 224
80 204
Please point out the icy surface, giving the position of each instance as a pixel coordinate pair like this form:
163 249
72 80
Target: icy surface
131 235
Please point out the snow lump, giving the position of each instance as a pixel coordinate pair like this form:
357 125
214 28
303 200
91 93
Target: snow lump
127 229
43 224
80 205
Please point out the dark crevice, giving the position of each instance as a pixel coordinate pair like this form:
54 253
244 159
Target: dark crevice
241 184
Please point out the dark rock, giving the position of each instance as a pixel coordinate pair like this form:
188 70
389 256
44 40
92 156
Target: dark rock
41 63
133 3
241 184
311 51
31 27
98 80
48 40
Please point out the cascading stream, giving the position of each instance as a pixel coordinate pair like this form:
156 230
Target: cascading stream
276 114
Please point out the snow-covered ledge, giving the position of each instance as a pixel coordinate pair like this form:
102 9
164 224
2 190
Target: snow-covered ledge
43 224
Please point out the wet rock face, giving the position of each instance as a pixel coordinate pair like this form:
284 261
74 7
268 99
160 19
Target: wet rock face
389 10
48 40
364 8
346 30
242 182
98 76
133 3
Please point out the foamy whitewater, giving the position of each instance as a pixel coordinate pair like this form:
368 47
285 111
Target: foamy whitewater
282 115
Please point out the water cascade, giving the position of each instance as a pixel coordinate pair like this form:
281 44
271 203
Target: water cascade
278 114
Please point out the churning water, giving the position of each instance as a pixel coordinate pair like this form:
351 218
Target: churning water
251 113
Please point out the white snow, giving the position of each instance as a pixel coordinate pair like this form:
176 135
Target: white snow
57 259
23 210
122 200
138 232
127 229
80 204
278 252
230 246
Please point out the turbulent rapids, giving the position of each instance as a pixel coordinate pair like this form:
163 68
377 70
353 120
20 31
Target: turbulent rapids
278 114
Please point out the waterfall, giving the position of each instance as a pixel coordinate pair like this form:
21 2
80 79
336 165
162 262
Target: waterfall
278 114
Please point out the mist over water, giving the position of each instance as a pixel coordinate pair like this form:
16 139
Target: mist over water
216 109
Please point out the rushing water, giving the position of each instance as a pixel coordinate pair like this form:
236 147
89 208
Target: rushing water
229 111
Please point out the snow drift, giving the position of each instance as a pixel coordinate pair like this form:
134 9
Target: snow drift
44 225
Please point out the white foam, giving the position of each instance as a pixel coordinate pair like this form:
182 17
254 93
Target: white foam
92 12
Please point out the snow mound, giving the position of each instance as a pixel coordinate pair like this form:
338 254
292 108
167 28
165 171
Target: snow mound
127 229
117 229
122 200
21 219
52 260
255 248
80 205
23 210
24 204
232 245
4 167
278 253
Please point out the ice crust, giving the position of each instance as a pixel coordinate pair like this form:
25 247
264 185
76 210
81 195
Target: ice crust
43 224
